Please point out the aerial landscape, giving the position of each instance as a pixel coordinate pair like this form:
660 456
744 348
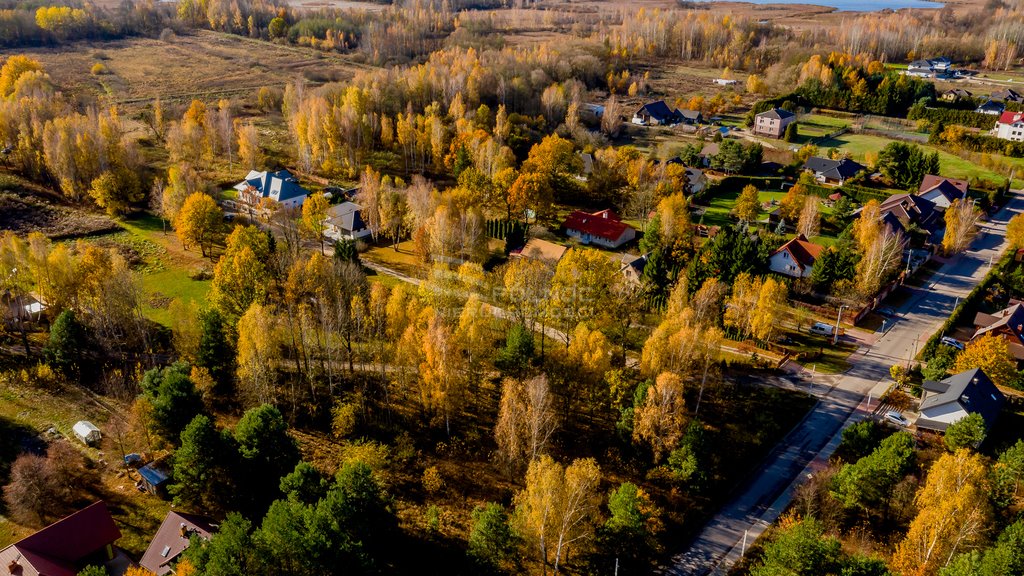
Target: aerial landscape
496 287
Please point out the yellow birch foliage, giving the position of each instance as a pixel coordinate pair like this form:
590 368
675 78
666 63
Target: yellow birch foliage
992 354
659 422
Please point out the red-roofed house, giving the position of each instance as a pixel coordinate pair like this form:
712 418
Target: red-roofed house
602 228
1011 126
65 547
795 258
1007 323
173 538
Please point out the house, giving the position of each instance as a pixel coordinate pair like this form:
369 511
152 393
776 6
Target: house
603 228
1006 95
588 164
1010 126
927 68
696 181
904 211
709 151
345 222
656 114
68 545
949 400
941 191
725 82
691 116
833 171
956 95
991 108
172 538
155 477
773 122
279 186
795 258
537 249
632 268
1007 323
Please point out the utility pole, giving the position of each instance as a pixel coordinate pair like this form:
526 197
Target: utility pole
839 318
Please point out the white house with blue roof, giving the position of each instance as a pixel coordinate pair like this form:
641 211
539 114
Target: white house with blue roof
280 186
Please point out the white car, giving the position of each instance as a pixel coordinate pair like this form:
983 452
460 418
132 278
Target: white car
897 418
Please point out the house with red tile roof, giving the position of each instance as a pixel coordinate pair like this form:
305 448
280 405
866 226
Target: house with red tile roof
795 258
1010 126
173 538
603 228
68 545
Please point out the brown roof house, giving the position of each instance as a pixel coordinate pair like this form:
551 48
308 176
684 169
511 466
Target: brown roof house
773 122
1008 323
537 249
67 546
795 258
173 538
942 191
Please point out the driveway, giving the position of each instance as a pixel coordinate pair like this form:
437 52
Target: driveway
842 401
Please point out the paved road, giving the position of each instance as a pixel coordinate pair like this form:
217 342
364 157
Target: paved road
841 401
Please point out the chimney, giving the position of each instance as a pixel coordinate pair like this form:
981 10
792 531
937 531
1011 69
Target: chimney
13 567
183 530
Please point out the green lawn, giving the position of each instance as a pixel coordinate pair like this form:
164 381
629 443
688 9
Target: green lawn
717 213
167 269
953 166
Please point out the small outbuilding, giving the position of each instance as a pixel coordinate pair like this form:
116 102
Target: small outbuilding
87 432
155 477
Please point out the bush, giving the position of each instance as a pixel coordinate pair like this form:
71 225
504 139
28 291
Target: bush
432 480
967 432
98 69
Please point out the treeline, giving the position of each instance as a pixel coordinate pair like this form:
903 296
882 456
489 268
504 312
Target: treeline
959 138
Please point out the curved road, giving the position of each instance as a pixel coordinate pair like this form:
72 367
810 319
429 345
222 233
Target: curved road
807 447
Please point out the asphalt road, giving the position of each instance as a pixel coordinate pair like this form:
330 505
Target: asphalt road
842 400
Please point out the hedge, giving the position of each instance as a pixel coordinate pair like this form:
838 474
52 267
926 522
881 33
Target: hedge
968 118
967 304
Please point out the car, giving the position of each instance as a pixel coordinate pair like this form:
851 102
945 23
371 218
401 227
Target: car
887 311
897 418
786 341
822 329
946 340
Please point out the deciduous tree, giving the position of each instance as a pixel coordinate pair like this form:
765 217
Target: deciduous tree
748 207
961 218
198 222
660 421
992 354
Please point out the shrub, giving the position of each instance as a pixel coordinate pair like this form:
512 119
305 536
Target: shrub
432 480
98 69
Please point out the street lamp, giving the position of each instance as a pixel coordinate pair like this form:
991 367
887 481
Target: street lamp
839 318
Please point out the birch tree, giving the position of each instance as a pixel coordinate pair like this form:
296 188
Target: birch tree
961 218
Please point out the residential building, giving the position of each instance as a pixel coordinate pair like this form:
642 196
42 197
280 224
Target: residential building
279 186
603 228
691 116
904 211
1007 323
991 108
956 95
950 400
632 268
830 171
1006 95
65 547
773 122
927 68
942 191
656 114
537 249
795 258
696 180
172 538
1010 126
345 222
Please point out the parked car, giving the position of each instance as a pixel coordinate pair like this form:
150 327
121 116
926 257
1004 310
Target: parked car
946 340
786 340
897 418
822 329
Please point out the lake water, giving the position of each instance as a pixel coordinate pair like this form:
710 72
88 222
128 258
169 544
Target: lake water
854 5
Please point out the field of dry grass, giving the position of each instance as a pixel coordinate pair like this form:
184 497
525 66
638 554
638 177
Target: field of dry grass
202 65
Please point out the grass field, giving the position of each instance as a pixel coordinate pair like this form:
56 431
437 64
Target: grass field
813 126
953 166
167 270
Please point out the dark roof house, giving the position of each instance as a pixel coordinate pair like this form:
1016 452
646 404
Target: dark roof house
1006 94
280 186
949 400
68 545
942 191
907 210
1007 323
155 477
833 171
173 538
656 113
991 108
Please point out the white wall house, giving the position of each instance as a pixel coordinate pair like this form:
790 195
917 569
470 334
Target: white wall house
795 258
1011 126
